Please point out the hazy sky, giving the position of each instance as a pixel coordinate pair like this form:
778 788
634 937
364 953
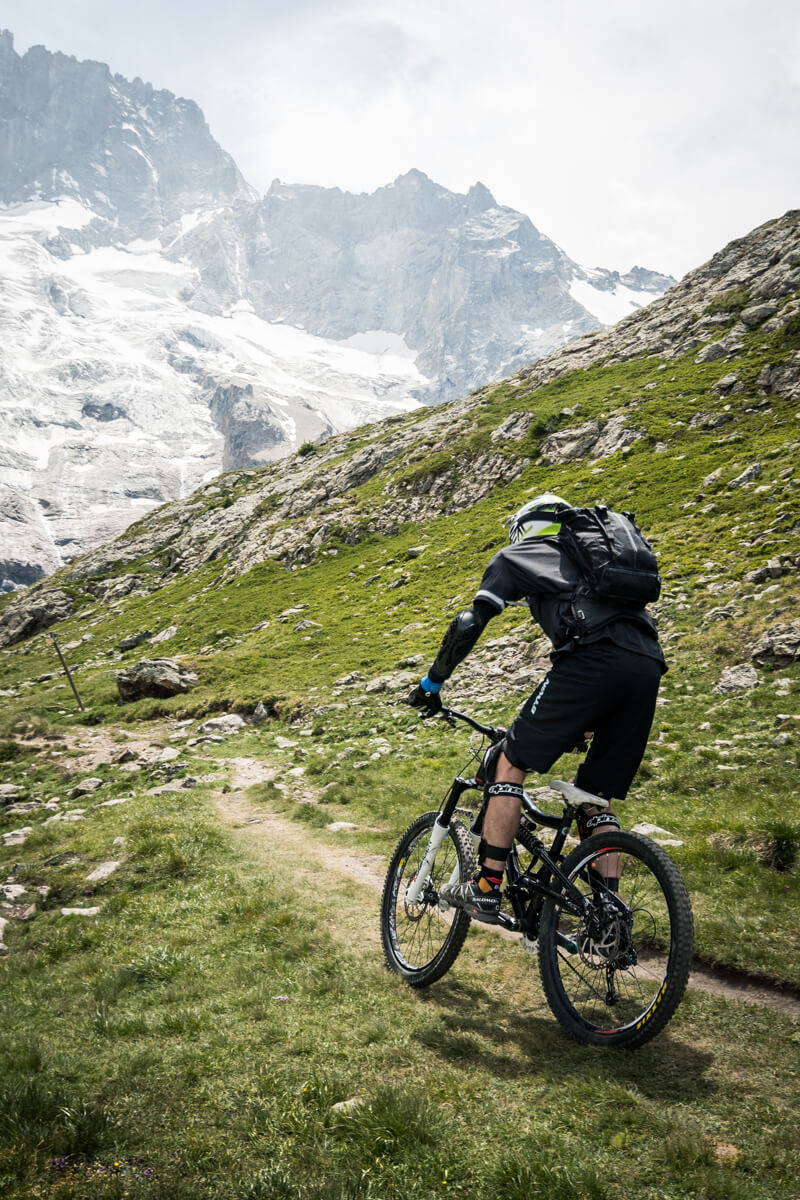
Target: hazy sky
628 132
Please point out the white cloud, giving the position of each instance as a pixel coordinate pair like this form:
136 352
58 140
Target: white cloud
628 133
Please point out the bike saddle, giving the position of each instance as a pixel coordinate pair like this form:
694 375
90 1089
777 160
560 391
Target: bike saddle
576 796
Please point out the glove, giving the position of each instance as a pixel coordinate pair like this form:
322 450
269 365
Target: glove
429 702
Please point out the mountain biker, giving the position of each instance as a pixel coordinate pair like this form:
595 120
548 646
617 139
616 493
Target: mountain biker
605 675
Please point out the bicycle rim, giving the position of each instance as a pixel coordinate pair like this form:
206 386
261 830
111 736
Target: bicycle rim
421 941
616 977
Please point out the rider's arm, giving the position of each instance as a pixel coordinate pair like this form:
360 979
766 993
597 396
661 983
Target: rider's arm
461 636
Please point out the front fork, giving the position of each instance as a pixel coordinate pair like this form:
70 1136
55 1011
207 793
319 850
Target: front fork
420 880
441 829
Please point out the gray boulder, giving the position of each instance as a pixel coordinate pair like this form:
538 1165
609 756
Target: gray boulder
569 444
223 726
33 613
780 645
155 678
134 640
738 679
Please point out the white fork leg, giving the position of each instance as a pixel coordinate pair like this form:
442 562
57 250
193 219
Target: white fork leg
438 834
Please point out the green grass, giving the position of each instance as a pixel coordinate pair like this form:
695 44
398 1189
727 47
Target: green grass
192 1040
154 1037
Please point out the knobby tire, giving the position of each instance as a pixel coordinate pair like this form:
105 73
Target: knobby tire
625 975
422 942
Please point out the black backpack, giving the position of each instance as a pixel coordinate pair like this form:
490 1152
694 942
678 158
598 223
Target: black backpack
616 562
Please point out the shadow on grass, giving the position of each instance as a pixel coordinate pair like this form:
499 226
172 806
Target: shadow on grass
485 1031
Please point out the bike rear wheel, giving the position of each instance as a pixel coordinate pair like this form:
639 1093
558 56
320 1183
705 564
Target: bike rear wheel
616 976
421 941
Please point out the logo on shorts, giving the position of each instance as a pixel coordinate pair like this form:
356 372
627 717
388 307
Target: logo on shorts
538 696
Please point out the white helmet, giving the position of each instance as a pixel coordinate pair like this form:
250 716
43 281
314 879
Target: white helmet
537 517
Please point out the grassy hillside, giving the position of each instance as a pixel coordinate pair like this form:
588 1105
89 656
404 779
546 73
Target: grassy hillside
375 540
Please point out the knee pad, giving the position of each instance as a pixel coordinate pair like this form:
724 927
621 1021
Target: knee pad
594 824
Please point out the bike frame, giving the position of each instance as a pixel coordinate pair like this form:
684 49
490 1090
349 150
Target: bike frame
526 891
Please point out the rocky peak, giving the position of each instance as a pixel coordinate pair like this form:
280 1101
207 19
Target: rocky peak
138 157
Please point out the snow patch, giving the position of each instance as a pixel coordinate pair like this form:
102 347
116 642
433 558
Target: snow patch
608 307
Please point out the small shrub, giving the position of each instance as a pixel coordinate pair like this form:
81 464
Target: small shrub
789 336
306 449
732 300
9 751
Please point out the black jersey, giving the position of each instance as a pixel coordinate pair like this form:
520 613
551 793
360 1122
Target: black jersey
540 573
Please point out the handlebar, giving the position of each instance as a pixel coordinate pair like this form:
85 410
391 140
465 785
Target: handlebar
489 731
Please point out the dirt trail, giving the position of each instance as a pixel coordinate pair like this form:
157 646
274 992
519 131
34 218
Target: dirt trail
369 869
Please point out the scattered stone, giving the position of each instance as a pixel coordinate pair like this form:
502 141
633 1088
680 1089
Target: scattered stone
712 352
415 551
155 678
15 837
656 834
113 803
260 713
514 427
11 892
780 645
223 726
134 640
569 444
80 912
86 786
390 683
9 793
340 826
347 1106
305 624
284 743
738 679
168 754
125 755
291 612
166 635
102 871
747 476
726 383
3 946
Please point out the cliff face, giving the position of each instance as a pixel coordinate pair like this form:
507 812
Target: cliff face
138 158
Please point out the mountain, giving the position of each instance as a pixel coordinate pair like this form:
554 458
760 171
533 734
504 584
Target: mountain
160 322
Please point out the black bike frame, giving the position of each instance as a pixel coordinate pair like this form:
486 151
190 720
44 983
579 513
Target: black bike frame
526 891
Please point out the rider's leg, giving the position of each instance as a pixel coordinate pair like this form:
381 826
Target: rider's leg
502 813
601 820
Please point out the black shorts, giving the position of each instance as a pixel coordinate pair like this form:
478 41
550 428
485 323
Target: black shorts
599 687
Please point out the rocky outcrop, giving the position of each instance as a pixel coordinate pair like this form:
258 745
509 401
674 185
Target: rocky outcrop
780 645
33 613
156 678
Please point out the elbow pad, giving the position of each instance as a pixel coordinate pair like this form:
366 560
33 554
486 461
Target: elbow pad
461 636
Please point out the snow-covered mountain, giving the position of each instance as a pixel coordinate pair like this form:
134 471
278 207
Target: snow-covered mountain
159 322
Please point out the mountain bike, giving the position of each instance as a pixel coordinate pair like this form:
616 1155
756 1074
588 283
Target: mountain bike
610 919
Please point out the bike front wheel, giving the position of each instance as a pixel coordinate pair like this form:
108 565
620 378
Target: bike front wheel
421 941
615 975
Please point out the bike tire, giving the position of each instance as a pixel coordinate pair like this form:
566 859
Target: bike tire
618 981
422 943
